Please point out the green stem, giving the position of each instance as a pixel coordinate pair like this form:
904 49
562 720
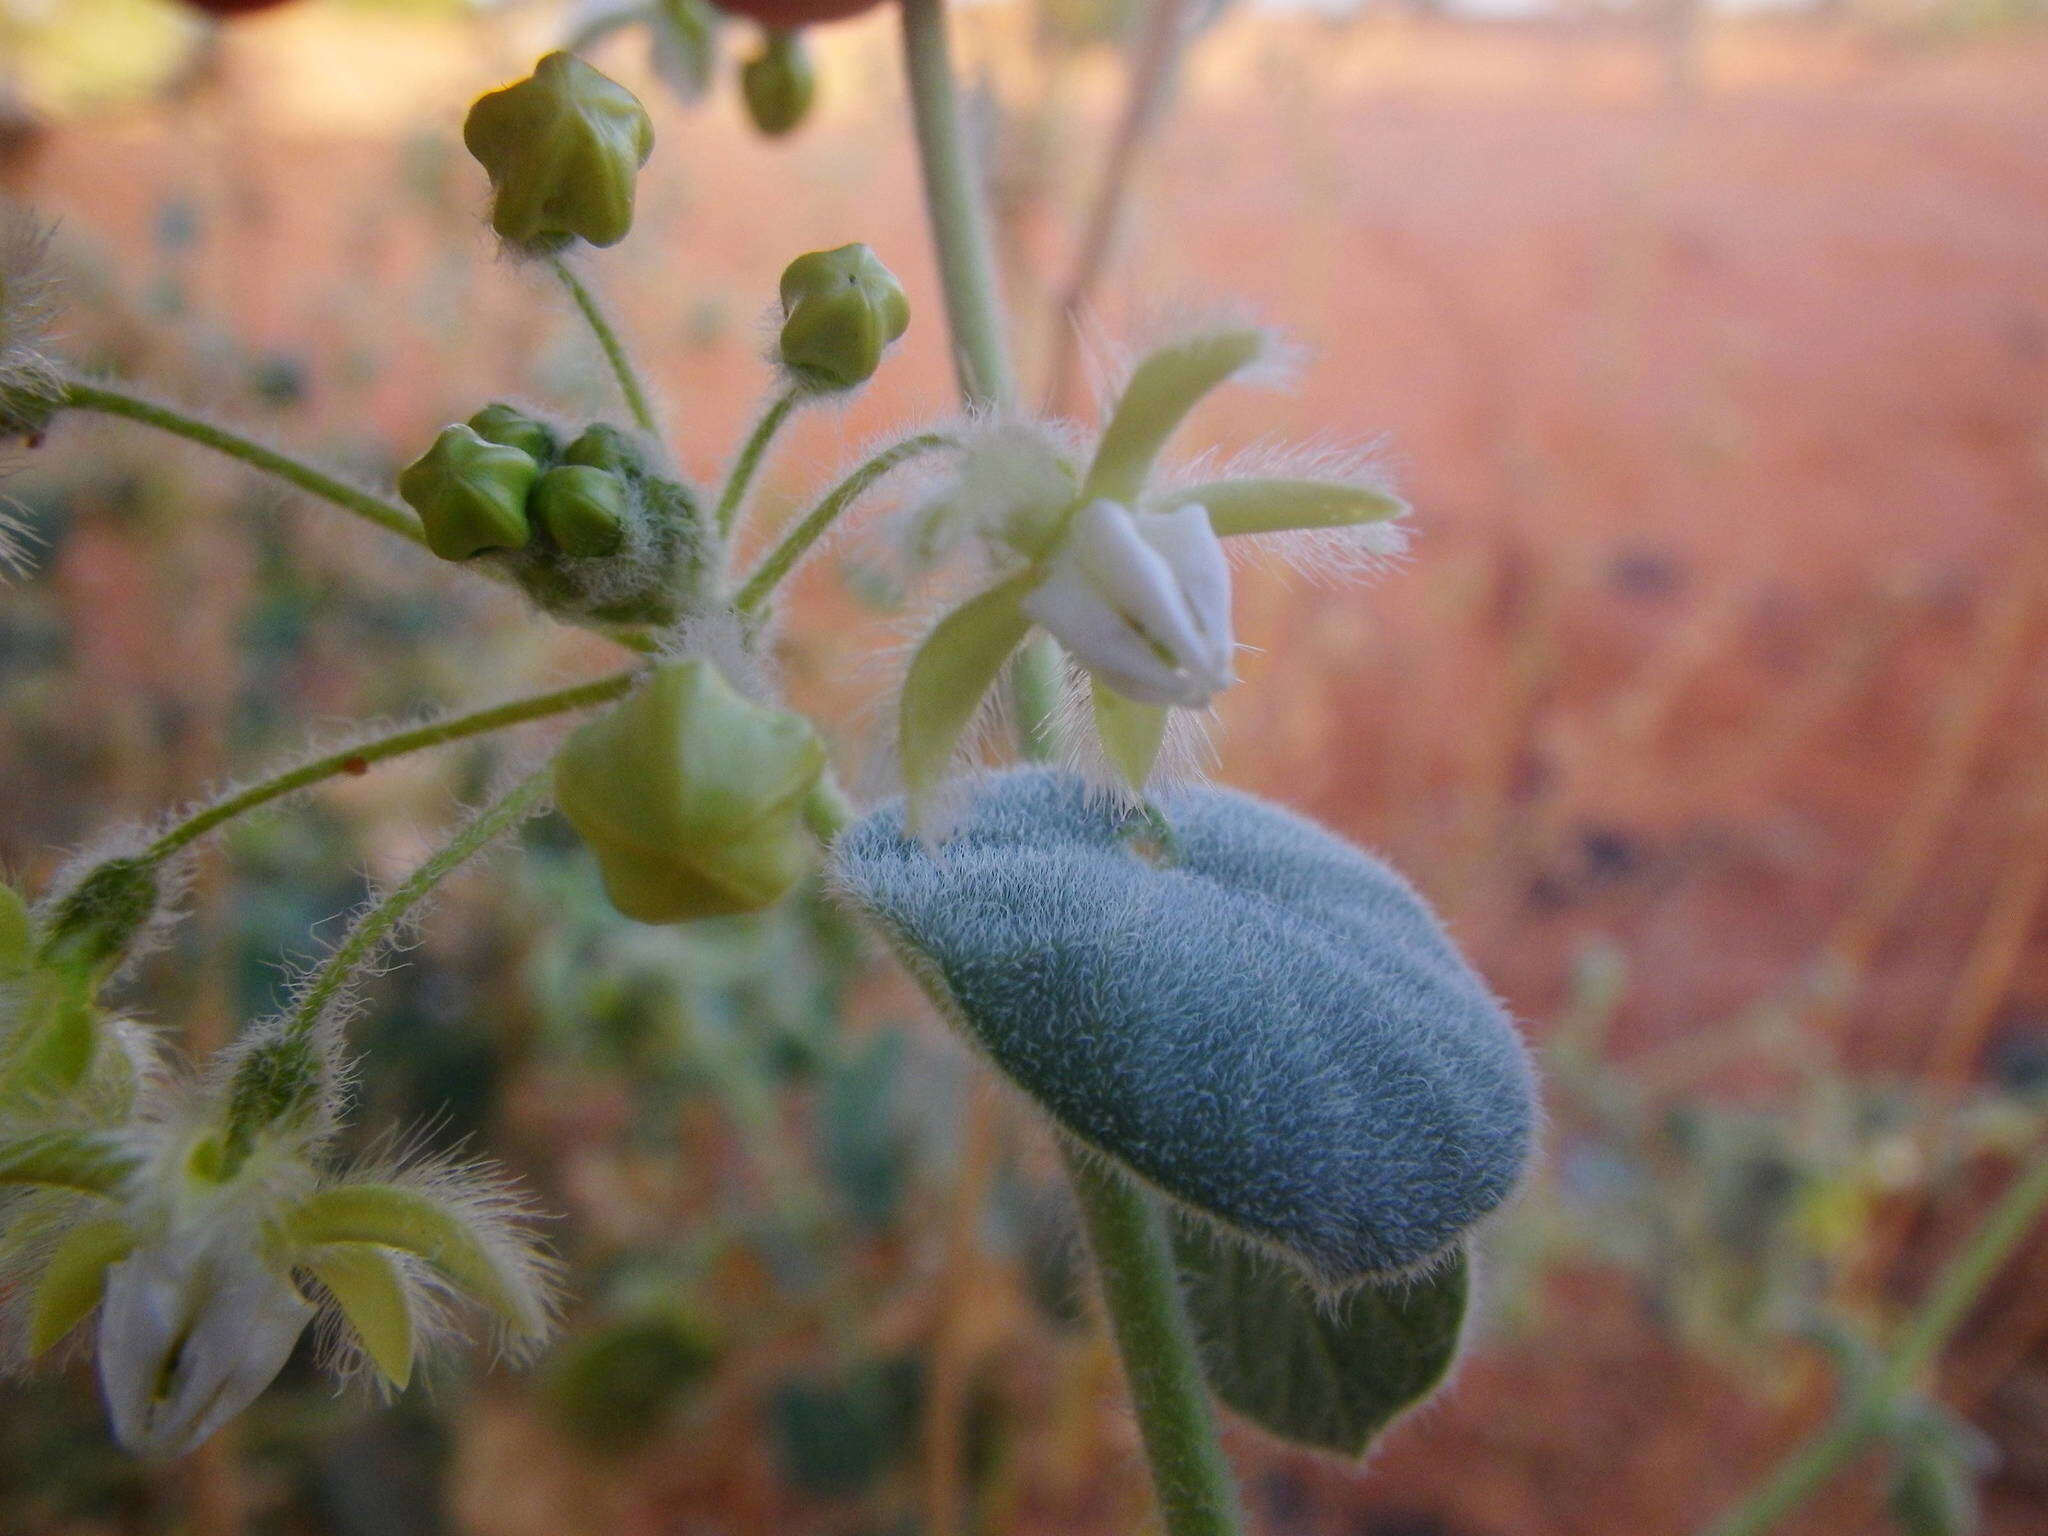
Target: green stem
749 461
1127 1235
783 558
369 931
358 758
1811 1466
389 515
1139 1285
614 348
959 225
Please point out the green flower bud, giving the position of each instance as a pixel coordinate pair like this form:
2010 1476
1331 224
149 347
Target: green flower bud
841 310
604 446
780 85
507 424
99 918
470 494
562 148
582 509
692 797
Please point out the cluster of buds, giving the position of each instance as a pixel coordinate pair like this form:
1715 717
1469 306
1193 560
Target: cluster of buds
585 526
692 797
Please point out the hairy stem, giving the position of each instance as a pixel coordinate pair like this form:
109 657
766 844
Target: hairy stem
1196 1493
959 223
811 527
1159 47
614 348
358 758
1127 1236
78 394
751 454
368 933
1813 1464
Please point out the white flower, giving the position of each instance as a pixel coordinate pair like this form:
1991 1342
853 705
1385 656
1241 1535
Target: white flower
1142 600
1123 566
192 1329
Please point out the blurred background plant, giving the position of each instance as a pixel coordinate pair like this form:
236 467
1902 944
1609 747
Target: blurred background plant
1714 347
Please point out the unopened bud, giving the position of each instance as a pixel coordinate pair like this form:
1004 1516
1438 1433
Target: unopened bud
841 310
562 147
692 797
582 509
470 494
507 424
96 921
780 84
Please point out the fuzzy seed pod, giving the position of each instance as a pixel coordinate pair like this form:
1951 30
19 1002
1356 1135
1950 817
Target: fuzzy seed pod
692 797
841 311
470 494
96 922
562 148
1265 1024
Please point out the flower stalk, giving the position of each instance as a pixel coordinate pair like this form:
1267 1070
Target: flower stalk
1193 1482
612 344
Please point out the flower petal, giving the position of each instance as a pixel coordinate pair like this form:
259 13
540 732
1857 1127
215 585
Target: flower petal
950 675
369 1286
1281 506
1131 733
1164 388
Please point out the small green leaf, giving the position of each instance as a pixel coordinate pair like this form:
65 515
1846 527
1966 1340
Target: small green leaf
950 675
1131 733
74 1280
54 1052
370 1287
1165 387
1283 506
17 934
76 1160
1325 1373
413 1221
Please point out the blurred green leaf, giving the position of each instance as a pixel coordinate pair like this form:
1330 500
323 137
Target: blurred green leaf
1329 1373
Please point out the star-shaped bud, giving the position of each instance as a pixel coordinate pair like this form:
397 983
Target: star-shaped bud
692 797
470 493
841 310
562 148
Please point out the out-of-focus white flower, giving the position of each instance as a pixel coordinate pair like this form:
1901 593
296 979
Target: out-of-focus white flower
1142 600
192 1330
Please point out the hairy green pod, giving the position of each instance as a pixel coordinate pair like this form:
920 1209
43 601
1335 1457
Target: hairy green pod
692 797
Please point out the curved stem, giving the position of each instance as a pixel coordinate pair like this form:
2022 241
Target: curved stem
389 515
750 457
959 224
1813 1464
1127 1235
358 758
614 348
368 933
1158 55
782 559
